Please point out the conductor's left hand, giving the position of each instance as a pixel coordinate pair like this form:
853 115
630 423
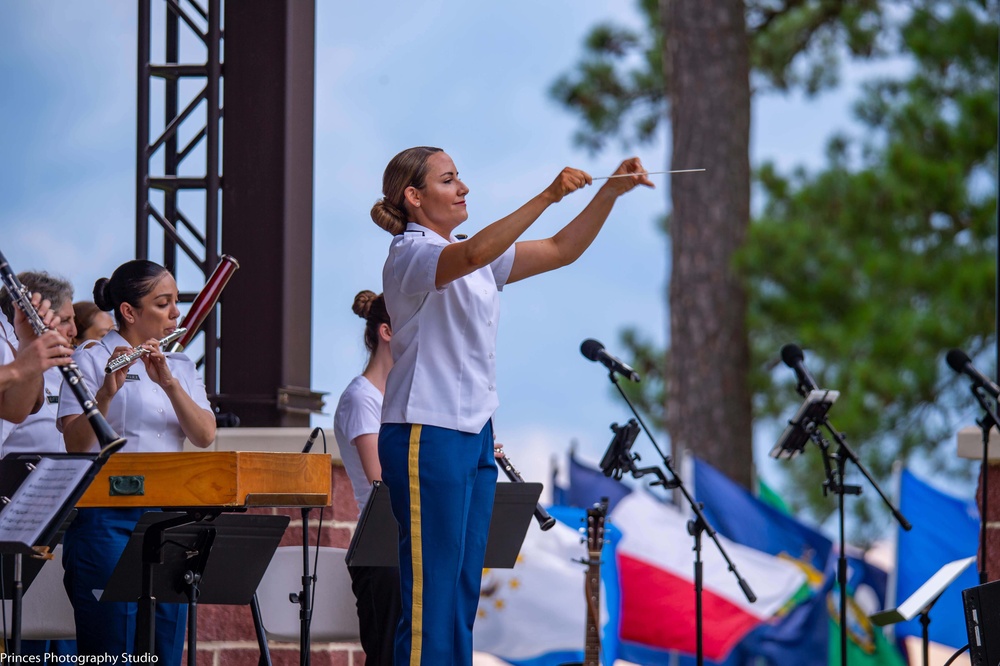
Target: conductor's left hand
639 177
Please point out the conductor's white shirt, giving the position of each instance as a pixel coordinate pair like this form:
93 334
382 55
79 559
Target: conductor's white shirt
443 340
140 411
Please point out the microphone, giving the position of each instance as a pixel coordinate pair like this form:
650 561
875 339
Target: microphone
594 351
962 364
312 440
793 357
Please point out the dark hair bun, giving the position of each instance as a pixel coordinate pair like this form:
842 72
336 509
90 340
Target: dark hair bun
363 303
101 296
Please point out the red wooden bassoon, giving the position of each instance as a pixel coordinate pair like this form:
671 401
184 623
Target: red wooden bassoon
206 299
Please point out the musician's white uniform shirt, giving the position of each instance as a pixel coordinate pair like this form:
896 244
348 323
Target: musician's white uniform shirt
443 340
38 432
7 335
359 412
140 411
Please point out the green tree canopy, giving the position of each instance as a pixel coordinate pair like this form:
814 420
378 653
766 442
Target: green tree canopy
884 259
876 263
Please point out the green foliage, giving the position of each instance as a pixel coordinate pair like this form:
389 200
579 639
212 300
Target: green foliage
799 43
877 263
618 88
886 258
649 397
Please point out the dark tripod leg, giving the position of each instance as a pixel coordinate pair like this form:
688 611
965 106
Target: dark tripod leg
258 628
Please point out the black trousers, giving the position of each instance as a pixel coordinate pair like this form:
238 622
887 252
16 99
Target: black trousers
377 592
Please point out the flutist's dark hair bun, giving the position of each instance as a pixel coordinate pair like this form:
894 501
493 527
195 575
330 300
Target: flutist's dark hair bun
128 284
371 307
101 296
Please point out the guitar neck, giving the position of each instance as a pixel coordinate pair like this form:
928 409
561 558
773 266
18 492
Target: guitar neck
592 645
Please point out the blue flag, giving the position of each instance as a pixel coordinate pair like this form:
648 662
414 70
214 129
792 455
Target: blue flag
945 528
587 485
801 635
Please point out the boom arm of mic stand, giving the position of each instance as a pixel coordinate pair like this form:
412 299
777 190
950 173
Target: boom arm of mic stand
842 444
675 482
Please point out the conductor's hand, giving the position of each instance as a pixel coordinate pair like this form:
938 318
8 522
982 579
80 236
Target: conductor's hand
568 180
620 186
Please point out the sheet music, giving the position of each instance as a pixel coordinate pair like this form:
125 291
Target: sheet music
39 499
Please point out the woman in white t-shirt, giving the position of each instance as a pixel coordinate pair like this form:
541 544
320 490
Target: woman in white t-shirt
356 424
436 440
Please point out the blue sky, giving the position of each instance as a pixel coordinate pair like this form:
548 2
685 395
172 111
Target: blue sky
469 77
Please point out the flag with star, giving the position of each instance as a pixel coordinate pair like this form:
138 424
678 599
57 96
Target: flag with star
535 613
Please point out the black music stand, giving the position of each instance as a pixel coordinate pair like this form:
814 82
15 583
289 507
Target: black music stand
922 600
179 558
39 495
376 538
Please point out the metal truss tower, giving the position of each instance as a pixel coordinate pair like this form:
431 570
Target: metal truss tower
188 234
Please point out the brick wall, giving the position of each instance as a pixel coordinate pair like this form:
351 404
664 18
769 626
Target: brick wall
226 633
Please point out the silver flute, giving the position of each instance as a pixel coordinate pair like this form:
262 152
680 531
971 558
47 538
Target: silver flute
120 362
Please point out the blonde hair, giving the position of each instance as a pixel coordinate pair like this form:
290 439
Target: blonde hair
406 169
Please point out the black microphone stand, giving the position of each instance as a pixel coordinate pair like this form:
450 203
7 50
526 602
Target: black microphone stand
625 461
305 596
834 483
986 424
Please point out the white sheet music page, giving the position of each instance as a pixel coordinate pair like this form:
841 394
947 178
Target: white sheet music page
39 498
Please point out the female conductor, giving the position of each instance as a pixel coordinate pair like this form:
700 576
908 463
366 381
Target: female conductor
356 424
155 403
436 441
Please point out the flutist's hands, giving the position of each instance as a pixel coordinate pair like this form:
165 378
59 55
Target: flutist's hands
619 186
156 364
568 180
113 381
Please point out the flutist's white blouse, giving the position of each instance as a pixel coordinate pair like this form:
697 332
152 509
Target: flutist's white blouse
443 340
141 412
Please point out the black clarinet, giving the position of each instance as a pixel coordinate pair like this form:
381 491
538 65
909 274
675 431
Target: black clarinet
107 438
545 521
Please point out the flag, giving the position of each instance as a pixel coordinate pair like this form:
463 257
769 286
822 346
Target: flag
731 509
807 632
799 634
587 485
866 645
655 567
535 613
945 528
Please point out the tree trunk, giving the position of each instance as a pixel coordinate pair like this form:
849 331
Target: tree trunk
706 61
